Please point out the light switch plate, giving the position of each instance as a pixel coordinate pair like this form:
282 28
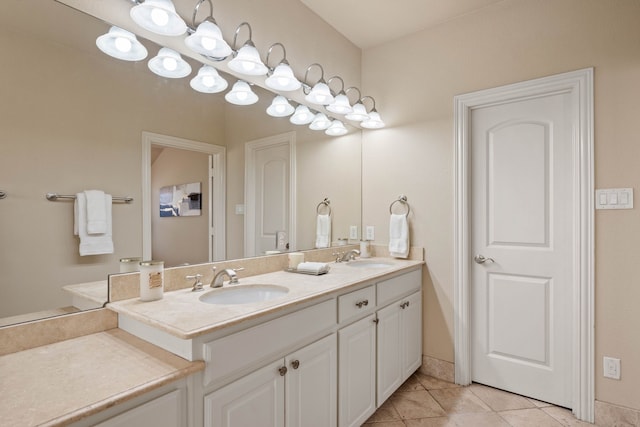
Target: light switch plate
614 198
370 232
353 232
611 367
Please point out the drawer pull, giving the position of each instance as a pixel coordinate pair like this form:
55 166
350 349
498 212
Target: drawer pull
283 371
404 305
362 303
295 364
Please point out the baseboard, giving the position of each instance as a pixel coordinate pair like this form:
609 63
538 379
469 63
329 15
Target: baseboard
437 368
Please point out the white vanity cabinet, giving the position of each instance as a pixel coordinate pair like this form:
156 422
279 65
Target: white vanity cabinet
298 390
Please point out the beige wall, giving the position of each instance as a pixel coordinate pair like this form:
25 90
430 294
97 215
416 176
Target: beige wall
185 239
414 81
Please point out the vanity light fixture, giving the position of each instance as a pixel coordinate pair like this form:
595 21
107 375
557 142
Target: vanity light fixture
358 111
241 94
169 63
320 93
247 60
280 107
336 128
208 80
281 78
302 115
121 44
207 38
158 16
340 104
374 121
320 122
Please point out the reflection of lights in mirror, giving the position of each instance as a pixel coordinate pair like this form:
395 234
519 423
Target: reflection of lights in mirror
241 94
159 16
207 40
121 44
336 128
280 107
320 122
208 80
168 63
302 116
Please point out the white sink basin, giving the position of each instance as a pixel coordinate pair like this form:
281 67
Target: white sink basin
369 264
244 294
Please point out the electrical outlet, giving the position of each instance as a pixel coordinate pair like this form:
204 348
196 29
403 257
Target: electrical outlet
353 232
611 367
370 232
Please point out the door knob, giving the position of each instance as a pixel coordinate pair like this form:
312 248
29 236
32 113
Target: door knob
480 259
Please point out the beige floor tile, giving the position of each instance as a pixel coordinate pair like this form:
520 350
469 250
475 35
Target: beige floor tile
459 400
490 419
412 384
500 400
386 412
539 403
431 383
564 416
416 404
386 424
529 418
430 422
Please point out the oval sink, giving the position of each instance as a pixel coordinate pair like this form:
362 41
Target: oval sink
244 294
369 264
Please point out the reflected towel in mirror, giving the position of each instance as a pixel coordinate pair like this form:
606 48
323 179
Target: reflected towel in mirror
92 244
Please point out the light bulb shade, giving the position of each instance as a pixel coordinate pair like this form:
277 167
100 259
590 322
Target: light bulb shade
158 16
320 94
283 79
320 122
207 41
340 105
359 113
208 80
280 107
241 94
169 63
336 129
302 116
121 44
248 62
373 122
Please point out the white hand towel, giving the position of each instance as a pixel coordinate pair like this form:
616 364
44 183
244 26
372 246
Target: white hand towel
398 236
323 231
91 244
313 267
96 212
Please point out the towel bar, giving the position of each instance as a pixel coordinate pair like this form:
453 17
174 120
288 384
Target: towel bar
55 196
326 202
402 200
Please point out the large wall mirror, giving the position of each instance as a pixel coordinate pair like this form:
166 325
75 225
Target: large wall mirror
72 119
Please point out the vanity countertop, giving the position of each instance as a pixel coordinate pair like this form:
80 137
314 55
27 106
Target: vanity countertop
181 314
60 383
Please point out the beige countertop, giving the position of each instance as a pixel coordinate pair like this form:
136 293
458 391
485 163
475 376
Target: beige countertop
57 384
181 314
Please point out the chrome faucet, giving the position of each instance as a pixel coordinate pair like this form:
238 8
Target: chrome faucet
218 278
348 256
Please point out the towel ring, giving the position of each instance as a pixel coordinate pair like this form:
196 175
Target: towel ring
402 200
326 202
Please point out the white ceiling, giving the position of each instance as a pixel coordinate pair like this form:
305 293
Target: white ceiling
368 23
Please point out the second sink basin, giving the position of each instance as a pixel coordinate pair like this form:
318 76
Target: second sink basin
244 294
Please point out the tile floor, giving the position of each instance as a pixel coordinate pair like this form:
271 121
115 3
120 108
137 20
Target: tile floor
424 401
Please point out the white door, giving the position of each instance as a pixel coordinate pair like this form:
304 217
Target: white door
310 385
521 241
255 400
357 376
268 195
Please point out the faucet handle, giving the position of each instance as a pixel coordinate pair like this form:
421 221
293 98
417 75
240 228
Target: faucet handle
234 279
197 286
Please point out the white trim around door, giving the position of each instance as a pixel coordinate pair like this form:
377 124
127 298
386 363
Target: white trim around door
217 173
579 85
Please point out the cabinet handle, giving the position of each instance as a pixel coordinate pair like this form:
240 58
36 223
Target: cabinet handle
295 364
283 371
376 320
362 303
404 305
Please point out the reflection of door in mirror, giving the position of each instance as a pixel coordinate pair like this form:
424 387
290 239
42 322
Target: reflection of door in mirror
173 162
270 195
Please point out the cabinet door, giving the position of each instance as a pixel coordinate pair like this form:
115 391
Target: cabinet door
357 376
254 400
411 334
389 362
310 385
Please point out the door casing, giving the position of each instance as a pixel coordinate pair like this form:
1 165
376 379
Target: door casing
579 84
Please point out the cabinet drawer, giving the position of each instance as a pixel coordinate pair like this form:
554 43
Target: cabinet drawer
393 288
229 356
357 302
